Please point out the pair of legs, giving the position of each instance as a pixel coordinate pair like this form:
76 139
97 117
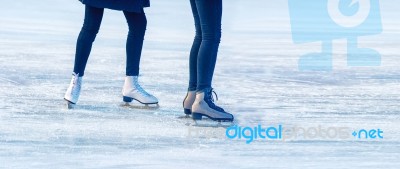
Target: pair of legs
137 27
93 16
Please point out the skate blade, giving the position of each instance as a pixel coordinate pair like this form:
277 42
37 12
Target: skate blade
187 116
210 123
141 106
70 105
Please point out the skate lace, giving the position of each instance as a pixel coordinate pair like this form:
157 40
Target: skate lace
76 85
141 90
210 97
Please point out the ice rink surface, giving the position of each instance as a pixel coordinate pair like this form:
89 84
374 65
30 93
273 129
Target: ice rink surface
257 79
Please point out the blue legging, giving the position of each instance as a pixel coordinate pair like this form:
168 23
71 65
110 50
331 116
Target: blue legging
203 55
93 16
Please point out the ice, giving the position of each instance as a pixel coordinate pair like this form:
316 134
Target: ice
256 79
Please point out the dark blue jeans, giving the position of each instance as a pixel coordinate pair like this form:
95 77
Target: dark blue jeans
93 16
203 55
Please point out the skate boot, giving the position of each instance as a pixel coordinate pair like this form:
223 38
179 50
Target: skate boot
204 106
73 91
133 91
188 102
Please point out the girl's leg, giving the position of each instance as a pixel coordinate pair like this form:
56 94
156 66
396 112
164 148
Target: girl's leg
194 52
210 14
137 23
132 90
91 26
